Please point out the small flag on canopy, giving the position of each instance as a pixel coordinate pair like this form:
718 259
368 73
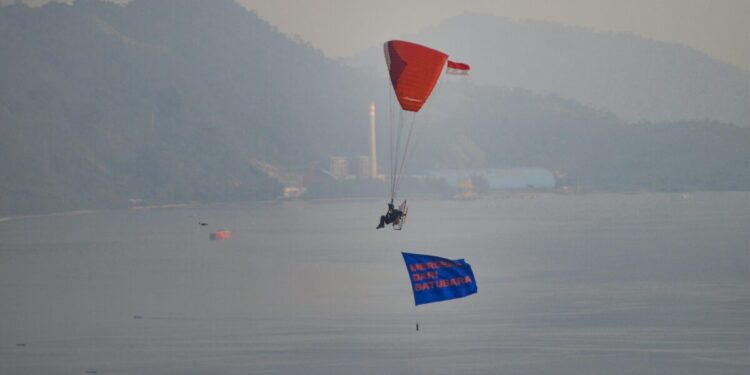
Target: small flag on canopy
435 279
457 68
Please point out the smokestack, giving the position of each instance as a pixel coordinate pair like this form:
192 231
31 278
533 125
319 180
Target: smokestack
373 150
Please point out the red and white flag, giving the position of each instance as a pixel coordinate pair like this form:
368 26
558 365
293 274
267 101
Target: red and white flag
457 68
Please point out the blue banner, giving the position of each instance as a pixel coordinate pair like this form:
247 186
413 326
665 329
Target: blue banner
435 279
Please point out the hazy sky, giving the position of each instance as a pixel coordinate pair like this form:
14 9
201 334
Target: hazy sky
720 28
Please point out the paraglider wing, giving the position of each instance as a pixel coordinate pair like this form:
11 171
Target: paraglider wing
414 71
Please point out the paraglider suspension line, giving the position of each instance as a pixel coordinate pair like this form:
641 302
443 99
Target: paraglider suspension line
395 152
405 156
391 121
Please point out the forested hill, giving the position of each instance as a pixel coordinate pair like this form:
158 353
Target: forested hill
484 126
160 100
636 78
171 101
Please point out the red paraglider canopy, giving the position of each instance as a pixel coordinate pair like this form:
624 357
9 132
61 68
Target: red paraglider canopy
414 70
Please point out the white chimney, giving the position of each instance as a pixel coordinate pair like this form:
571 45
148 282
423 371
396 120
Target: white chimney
373 149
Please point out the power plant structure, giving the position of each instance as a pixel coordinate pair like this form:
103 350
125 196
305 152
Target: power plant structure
366 165
373 148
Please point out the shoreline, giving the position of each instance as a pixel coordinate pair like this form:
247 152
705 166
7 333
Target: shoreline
489 195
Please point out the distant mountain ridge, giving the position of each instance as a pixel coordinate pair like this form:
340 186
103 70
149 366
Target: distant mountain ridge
163 101
633 77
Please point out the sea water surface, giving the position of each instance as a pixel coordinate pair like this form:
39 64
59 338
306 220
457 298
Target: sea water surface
568 284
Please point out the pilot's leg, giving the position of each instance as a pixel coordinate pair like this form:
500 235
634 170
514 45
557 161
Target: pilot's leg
382 222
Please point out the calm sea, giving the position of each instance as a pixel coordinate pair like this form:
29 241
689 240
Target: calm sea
568 284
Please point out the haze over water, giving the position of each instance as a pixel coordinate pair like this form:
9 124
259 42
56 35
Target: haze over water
568 284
